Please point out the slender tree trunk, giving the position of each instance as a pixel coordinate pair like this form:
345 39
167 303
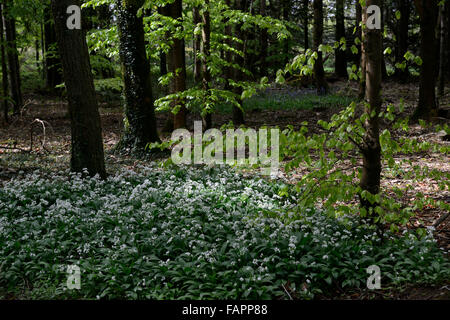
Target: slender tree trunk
13 58
264 38
358 20
197 46
371 150
305 23
319 73
362 81
228 55
206 55
286 9
384 74
238 115
178 66
5 92
340 65
140 126
87 146
443 49
53 77
402 38
428 12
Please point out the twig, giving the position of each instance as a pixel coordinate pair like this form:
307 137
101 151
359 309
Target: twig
290 297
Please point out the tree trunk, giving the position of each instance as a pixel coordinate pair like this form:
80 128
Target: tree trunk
428 12
319 73
305 24
286 9
371 150
5 92
238 115
13 58
197 46
443 48
53 76
340 65
358 20
362 80
177 62
87 146
140 126
264 38
402 38
206 55
384 74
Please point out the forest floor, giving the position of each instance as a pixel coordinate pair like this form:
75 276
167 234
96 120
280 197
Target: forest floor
51 151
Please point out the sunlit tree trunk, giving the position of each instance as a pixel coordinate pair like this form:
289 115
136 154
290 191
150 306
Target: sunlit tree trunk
140 125
13 57
428 13
5 86
341 60
371 150
197 46
87 145
319 73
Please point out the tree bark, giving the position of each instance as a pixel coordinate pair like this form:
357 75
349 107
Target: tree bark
305 23
428 12
53 77
286 9
264 39
238 115
340 65
402 38
5 86
206 55
87 146
443 48
371 150
197 46
319 73
13 58
177 66
358 11
362 81
140 126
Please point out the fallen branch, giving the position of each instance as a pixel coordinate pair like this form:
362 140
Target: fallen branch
441 219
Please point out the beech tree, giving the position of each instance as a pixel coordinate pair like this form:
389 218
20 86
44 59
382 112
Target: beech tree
52 63
13 57
177 65
87 145
140 124
319 73
340 64
428 13
5 86
402 38
371 149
